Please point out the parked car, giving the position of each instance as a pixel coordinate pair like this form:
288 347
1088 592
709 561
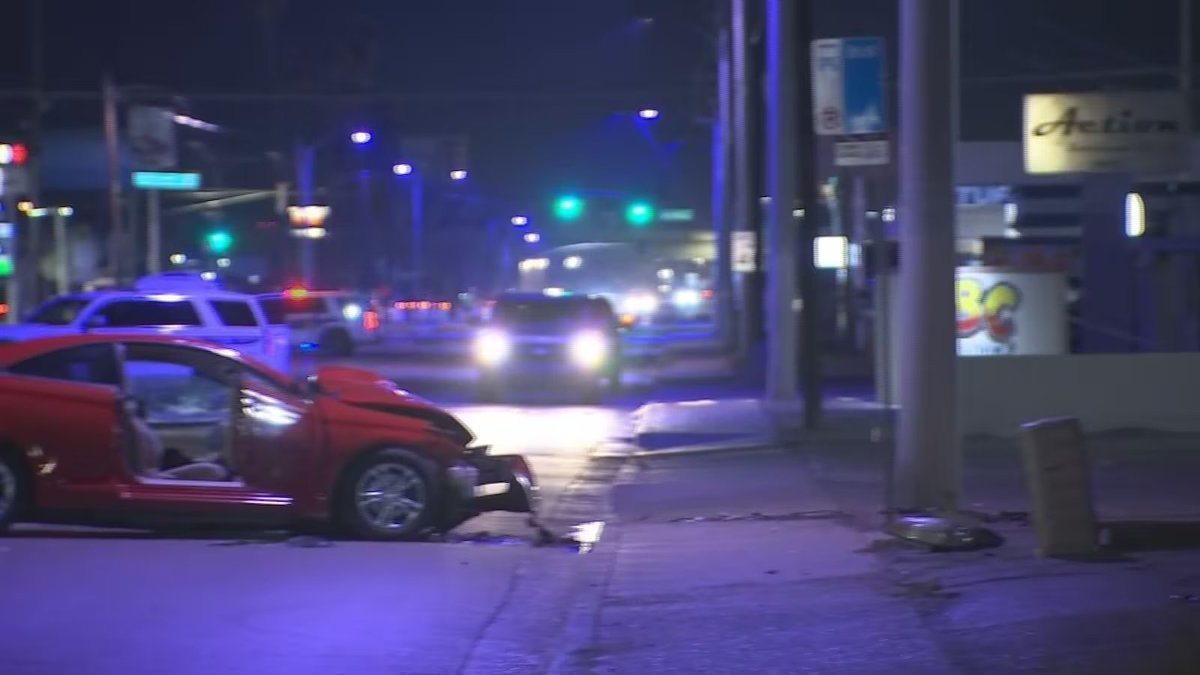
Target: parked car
174 304
330 322
128 429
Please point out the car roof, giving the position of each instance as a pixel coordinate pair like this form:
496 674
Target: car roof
309 294
13 352
157 295
549 299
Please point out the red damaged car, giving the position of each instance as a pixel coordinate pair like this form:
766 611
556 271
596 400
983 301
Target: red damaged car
112 430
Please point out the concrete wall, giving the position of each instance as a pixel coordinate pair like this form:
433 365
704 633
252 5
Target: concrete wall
1105 391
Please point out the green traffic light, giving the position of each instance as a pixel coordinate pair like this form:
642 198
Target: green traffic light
568 208
639 214
219 241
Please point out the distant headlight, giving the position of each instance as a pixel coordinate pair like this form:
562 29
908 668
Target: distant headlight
492 347
589 350
686 297
642 303
352 312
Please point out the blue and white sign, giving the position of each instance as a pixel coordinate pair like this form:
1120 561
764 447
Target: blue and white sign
849 86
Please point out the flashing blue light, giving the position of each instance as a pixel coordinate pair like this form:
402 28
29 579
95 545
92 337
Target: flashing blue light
309 346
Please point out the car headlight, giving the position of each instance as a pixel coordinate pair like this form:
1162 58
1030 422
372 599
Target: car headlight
492 347
589 349
352 311
642 303
686 298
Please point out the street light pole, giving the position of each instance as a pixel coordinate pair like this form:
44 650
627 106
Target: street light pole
745 204
417 216
781 183
305 159
926 469
721 204
116 229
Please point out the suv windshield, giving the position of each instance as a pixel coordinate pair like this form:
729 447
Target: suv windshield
60 311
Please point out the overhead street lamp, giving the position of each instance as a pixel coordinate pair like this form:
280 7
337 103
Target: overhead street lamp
458 174
520 221
402 169
648 113
360 137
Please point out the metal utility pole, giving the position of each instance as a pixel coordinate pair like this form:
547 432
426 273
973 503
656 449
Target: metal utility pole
153 232
62 253
305 168
1185 48
781 227
116 228
745 202
926 473
721 203
810 295
417 216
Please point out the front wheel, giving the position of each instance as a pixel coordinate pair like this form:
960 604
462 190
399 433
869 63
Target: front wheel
389 495
14 488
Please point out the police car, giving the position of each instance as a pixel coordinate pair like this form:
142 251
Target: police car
329 322
179 304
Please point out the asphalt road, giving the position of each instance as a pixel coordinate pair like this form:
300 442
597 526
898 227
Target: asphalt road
100 601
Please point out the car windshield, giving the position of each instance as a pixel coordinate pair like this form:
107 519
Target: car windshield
59 312
548 311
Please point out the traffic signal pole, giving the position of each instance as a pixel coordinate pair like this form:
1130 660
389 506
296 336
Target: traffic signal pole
781 230
926 467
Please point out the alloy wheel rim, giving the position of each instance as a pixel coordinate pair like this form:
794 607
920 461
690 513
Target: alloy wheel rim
390 496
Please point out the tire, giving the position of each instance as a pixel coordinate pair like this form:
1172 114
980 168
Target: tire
337 343
14 488
387 517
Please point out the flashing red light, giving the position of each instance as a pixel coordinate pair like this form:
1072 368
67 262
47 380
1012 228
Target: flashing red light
13 153
444 306
707 294
3 308
296 293
424 305
371 320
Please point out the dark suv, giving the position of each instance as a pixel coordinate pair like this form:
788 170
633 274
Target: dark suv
537 337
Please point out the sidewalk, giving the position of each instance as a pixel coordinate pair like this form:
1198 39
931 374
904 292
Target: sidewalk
771 561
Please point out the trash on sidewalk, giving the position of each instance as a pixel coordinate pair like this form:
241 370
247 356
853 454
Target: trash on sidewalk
823 514
943 533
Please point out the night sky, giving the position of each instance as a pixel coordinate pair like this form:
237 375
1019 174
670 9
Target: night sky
555 70
543 89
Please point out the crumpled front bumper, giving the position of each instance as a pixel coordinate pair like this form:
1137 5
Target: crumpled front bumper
483 482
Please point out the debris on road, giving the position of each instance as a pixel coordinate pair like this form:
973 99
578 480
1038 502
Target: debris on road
824 514
943 533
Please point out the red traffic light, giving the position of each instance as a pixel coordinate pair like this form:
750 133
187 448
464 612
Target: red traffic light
13 153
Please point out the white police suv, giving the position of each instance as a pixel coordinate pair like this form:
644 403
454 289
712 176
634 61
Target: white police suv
169 304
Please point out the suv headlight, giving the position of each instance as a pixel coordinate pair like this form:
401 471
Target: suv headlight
492 347
589 349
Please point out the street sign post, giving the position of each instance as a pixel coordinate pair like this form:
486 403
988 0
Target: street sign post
165 180
744 245
850 99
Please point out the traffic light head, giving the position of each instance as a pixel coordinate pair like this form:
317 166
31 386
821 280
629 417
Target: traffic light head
219 241
639 214
568 207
